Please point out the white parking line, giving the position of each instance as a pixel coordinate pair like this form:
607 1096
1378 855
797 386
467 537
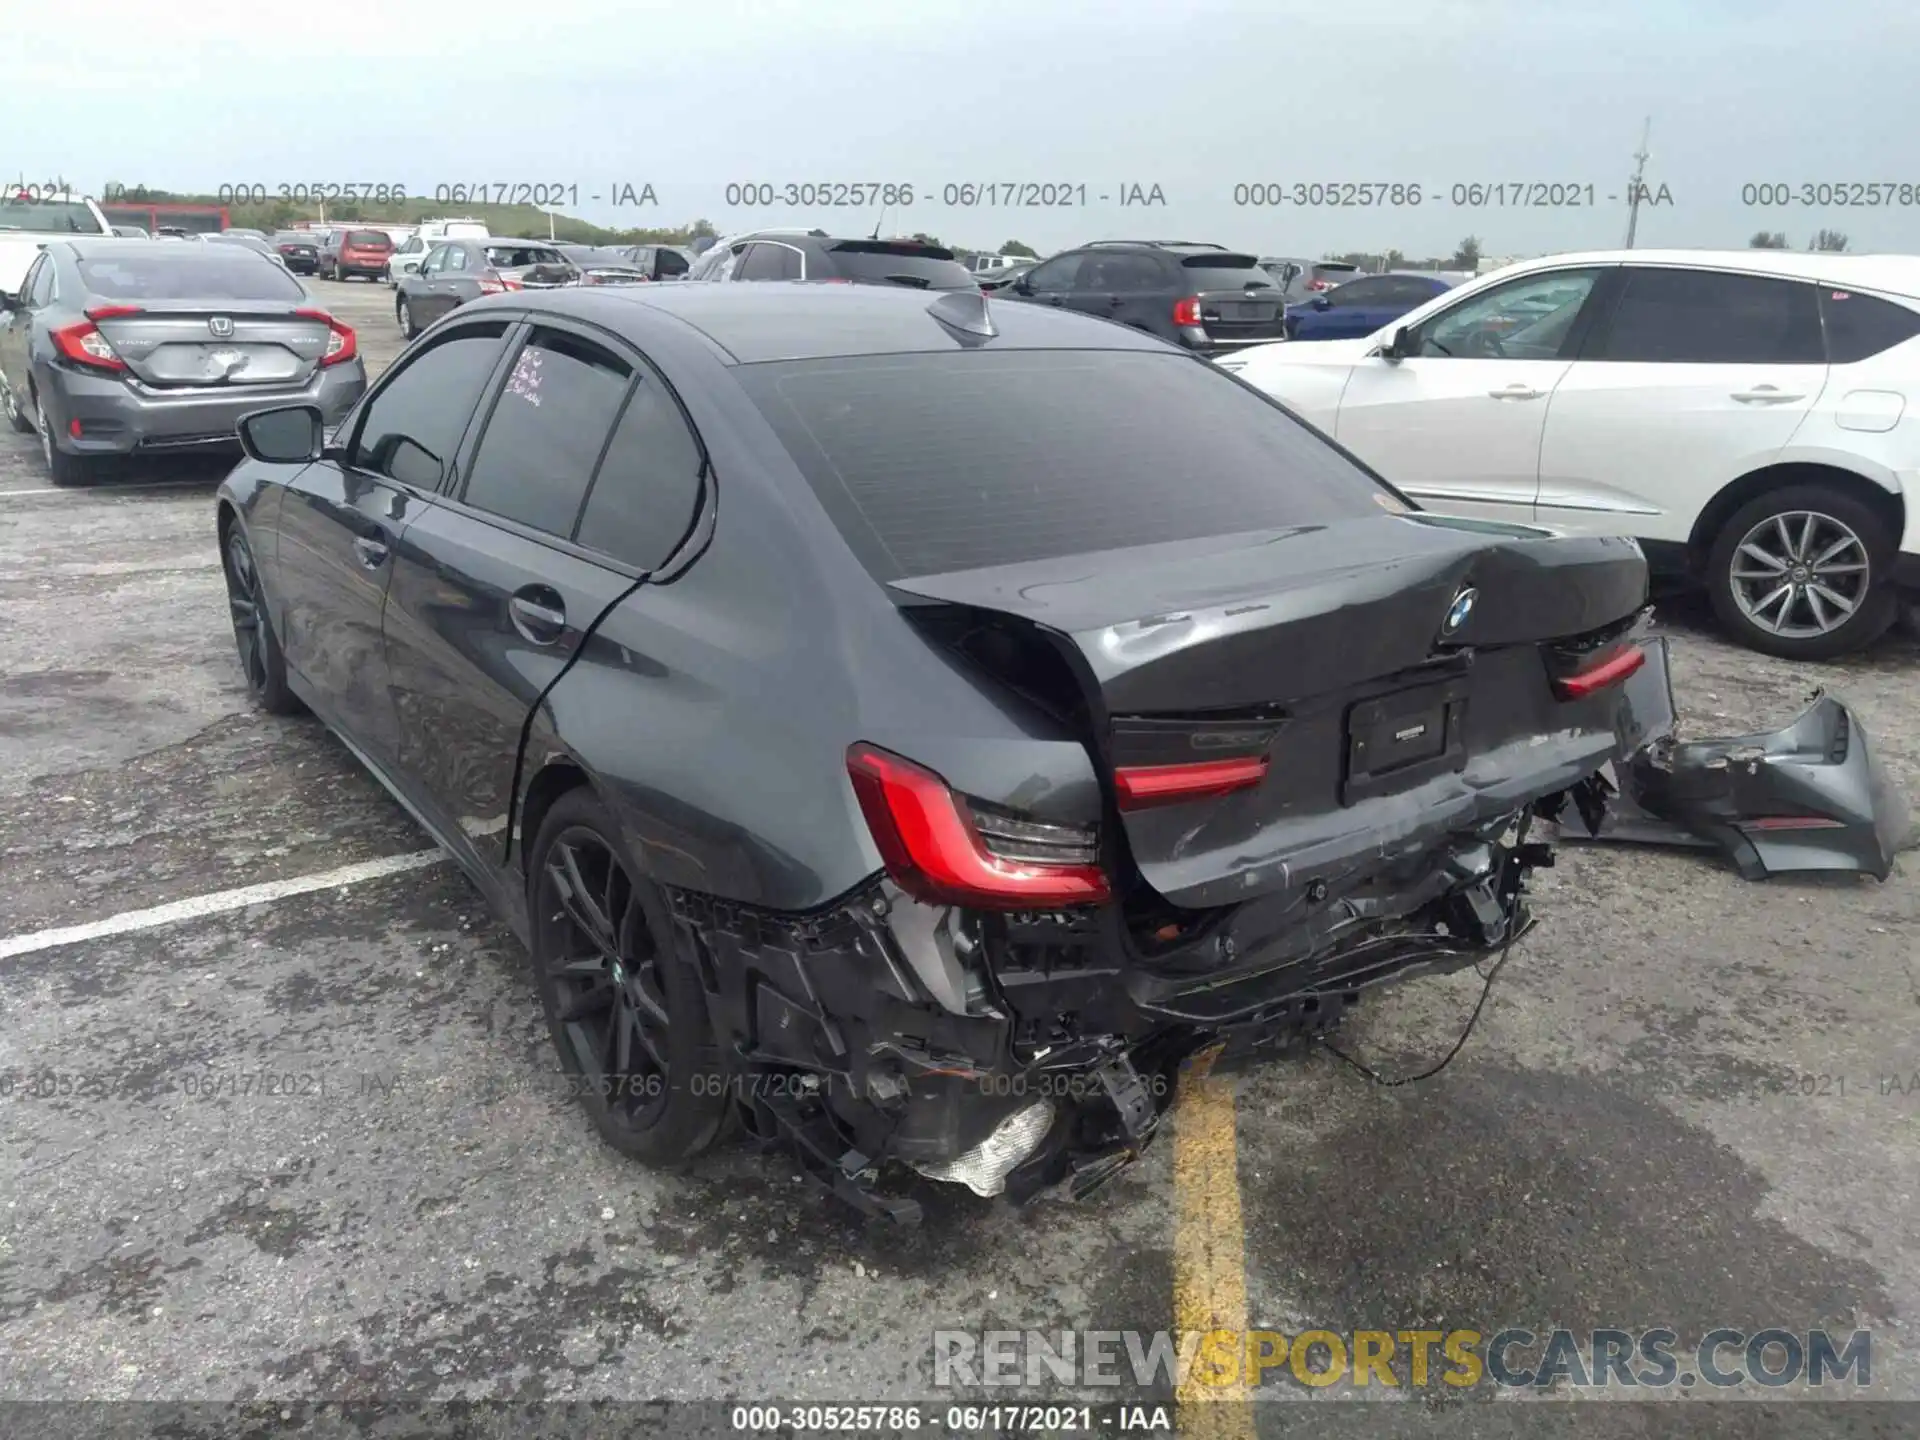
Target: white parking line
218 902
109 489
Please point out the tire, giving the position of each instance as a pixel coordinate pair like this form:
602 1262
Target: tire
1777 533
403 312
16 417
261 661
611 973
64 468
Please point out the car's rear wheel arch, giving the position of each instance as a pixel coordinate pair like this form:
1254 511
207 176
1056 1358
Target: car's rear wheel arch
1718 511
553 780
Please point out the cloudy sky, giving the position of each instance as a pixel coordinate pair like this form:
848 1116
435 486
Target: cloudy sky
1195 97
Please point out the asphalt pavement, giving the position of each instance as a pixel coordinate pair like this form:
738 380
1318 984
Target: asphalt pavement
313 1147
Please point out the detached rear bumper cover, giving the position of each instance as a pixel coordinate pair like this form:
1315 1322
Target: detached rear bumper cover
1812 795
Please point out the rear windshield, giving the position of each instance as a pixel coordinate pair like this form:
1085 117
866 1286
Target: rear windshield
940 462
513 257
921 266
230 272
587 255
372 239
1224 272
61 217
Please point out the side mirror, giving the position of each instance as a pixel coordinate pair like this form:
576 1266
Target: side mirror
1022 286
8 300
1321 302
1400 344
285 435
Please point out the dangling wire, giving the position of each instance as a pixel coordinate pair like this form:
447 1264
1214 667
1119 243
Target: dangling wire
1506 949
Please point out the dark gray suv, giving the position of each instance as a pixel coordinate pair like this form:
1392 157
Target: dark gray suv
1203 297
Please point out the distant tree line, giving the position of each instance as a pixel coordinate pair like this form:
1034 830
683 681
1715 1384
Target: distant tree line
1832 241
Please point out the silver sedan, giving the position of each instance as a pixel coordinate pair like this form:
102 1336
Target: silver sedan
115 347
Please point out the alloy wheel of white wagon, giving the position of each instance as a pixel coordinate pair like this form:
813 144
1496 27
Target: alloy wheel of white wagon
1800 574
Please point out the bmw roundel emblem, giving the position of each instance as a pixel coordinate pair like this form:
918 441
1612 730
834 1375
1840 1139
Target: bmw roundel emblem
1458 612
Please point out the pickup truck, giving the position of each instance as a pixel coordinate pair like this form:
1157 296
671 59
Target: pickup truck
28 220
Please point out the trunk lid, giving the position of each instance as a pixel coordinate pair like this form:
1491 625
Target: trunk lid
1326 650
1244 315
189 343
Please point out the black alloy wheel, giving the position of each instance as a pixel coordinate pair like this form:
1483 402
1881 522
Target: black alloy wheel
260 659
625 1011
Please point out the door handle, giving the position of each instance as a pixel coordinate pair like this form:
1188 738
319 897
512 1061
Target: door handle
1515 392
372 552
538 614
1114 301
1764 395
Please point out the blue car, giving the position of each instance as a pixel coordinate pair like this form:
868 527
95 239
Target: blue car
1360 306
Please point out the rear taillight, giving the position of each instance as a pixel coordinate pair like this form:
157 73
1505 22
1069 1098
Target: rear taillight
836 280
1609 667
1187 311
1138 787
341 342
945 850
492 282
83 343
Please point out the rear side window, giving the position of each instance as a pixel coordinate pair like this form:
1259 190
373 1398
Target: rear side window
648 486
671 262
1224 272
1708 317
547 431
58 217
414 424
515 257
930 463
916 266
764 261
225 272
1859 326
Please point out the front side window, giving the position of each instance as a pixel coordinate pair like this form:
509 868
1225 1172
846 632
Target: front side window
1060 273
1524 319
546 432
1710 317
414 424
1355 293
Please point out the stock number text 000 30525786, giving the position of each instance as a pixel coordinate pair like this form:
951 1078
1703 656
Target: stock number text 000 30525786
477 192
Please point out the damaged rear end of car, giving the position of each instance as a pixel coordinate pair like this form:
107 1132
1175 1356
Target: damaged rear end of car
1274 739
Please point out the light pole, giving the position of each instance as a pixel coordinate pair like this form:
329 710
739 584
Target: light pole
1639 171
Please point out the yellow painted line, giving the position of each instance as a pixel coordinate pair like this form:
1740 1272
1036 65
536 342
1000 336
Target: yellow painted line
1209 1256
